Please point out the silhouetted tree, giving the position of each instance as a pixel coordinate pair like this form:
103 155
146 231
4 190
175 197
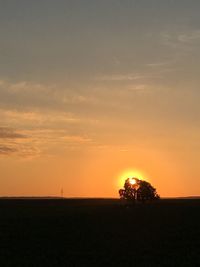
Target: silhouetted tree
136 189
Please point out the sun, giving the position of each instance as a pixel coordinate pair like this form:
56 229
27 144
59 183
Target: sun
132 181
131 174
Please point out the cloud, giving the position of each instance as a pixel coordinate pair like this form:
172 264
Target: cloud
7 133
28 105
4 150
13 142
36 119
158 64
36 142
122 77
168 40
29 95
190 37
39 118
26 96
182 39
76 139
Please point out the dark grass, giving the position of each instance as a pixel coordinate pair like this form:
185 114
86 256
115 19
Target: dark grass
95 232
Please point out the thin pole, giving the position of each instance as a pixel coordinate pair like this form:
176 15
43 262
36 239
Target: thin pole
61 192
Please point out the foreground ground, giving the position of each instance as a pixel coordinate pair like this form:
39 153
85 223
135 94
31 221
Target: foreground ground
89 232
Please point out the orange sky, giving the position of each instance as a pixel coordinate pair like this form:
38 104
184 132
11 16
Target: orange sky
91 90
95 172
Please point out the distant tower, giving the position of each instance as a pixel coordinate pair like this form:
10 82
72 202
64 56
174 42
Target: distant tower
61 192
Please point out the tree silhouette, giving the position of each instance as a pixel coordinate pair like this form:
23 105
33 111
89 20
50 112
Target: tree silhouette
138 190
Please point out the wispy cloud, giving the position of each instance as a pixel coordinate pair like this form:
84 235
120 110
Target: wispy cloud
5 150
76 139
35 142
168 40
190 37
13 142
179 39
7 133
123 77
37 118
158 64
39 96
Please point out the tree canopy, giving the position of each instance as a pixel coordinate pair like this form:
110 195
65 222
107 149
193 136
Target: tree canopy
138 190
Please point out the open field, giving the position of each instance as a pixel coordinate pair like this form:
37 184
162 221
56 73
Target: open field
99 232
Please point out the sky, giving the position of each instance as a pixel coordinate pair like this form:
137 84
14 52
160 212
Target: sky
93 91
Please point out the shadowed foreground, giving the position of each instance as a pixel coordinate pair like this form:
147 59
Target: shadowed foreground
92 232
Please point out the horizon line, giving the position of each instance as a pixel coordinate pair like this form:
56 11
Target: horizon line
66 198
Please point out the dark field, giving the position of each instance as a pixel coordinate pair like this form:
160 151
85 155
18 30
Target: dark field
92 232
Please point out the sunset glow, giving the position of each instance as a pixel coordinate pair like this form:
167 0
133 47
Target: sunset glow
130 173
98 92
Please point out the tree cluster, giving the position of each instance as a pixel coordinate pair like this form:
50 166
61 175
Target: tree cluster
138 190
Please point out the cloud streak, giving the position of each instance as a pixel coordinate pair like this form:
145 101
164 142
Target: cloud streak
29 95
182 40
4 150
7 133
36 142
125 77
12 142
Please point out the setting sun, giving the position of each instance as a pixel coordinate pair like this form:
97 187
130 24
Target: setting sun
132 181
130 173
